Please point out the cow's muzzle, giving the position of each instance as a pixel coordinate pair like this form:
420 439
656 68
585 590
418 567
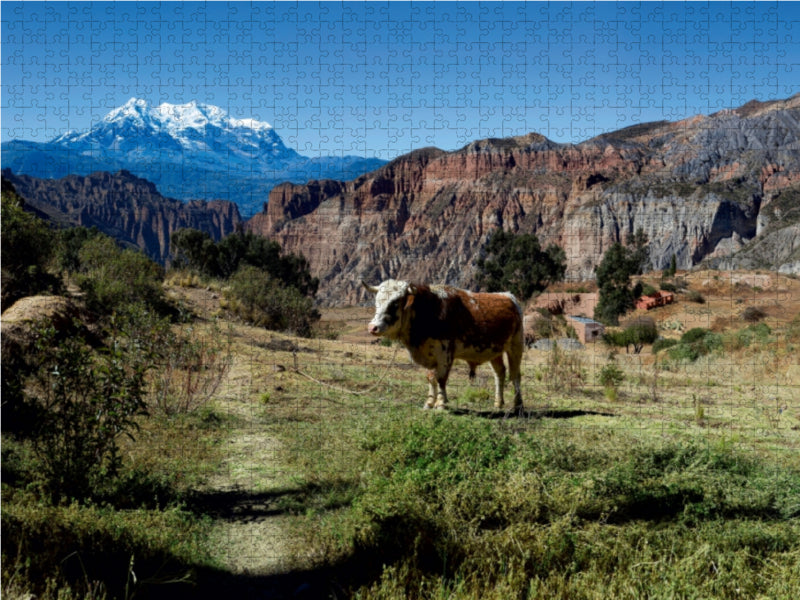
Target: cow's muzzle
374 329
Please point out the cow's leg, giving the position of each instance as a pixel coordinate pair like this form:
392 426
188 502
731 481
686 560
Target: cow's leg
441 397
515 368
472 367
431 401
445 362
499 380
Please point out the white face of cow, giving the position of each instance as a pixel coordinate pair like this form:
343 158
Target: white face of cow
390 301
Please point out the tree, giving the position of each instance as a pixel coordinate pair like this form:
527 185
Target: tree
27 250
619 263
517 263
637 333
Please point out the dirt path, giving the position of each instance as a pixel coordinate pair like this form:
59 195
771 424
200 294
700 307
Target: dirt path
250 535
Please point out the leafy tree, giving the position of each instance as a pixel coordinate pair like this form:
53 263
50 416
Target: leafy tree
619 263
70 242
637 334
27 250
194 249
517 263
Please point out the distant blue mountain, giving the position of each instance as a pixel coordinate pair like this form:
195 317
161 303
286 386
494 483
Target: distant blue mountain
190 151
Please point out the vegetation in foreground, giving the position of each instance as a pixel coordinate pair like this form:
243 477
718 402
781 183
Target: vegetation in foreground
683 482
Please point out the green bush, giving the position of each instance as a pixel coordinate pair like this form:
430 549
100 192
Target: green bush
112 278
695 343
197 251
663 344
27 250
753 314
257 298
695 296
611 376
85 401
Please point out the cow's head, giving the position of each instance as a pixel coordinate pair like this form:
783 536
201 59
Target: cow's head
392 298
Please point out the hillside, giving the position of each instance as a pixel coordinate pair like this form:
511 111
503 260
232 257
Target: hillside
127 208
720 189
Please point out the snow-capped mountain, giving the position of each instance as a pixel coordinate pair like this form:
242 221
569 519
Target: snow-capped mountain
190 151
198 132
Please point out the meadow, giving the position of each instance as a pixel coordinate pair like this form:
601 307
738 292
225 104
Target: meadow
311 471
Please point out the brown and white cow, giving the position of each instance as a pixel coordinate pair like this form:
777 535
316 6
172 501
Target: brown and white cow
439 323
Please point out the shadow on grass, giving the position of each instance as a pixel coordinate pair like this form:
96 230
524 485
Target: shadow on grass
244 505
334 581
545 413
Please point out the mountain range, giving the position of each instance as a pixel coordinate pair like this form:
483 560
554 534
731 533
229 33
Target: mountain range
720 190
190 151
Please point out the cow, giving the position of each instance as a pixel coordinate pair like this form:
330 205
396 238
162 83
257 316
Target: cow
439 323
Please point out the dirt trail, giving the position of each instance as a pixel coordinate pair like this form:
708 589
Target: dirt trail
251 534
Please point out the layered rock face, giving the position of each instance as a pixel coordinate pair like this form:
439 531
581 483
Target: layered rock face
125 207
701 189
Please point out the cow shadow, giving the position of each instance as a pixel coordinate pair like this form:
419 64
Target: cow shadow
523 413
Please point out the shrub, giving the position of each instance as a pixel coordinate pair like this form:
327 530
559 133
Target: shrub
564 370
753 314
648 290
257 298
663 343
113 278
192 371
668 287
85 402
197 251
695 296
695 343
27 249
611 376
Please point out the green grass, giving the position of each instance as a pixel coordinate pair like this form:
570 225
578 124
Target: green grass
453 506
136 537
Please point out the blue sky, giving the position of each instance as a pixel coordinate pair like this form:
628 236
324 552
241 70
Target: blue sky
381 79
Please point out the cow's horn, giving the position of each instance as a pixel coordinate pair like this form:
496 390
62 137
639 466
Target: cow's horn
370 288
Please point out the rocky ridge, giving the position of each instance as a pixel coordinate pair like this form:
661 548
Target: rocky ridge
126 207
722 189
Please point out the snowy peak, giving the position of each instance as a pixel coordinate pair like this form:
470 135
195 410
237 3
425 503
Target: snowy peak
179 117
199 131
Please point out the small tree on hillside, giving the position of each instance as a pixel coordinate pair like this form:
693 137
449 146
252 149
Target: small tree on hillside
619 263
517 263
27 250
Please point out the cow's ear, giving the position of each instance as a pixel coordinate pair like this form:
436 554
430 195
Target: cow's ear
409 301
370 288
411 289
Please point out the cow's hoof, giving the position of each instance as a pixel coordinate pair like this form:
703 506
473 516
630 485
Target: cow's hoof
440 407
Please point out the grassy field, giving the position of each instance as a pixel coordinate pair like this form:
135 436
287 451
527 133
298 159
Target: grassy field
312 472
